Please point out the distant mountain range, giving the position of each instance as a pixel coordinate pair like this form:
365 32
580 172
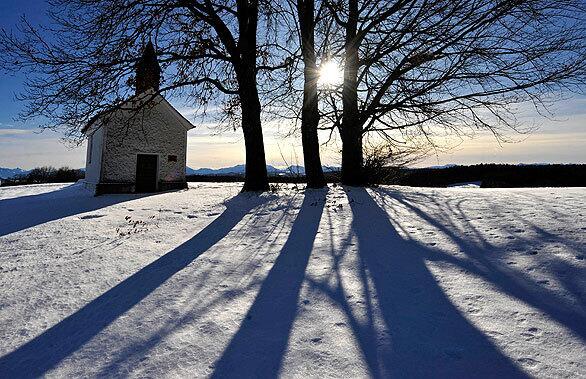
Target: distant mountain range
239 170
7 173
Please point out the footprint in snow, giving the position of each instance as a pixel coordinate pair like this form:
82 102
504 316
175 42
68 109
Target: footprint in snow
530 334
528 362
89 217
473 310
533 329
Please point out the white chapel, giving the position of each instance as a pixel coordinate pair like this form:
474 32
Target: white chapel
140 146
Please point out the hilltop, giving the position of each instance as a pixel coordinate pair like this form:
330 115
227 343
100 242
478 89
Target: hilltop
344 282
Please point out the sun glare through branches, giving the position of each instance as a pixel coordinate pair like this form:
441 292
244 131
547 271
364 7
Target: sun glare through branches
330 74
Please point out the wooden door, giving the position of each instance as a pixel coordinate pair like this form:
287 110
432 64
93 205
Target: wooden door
147 166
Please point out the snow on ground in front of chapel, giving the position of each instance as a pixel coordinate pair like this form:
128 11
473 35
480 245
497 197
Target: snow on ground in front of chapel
344 282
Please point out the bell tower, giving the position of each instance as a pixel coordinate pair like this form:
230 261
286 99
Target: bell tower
148 71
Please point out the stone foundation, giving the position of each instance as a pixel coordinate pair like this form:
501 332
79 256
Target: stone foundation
104 188
113 188
167 186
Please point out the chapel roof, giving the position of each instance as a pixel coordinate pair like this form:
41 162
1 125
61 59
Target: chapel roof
147 82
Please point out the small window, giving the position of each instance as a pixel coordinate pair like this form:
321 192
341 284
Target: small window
172 158
90 148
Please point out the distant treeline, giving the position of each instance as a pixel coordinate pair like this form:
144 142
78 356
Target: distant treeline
489 175
46 174
495 176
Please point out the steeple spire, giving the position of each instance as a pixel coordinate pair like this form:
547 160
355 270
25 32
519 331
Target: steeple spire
148 71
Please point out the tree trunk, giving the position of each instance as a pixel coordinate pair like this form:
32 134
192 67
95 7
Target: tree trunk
256 178
351 128
309 111
352 161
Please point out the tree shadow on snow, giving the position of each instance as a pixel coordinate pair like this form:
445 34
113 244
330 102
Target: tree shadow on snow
258 347
403 322
206 288
408 326
47 350
27 211
484 261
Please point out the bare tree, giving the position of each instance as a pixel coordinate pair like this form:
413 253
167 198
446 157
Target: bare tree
418 66
213 53
310 109
297 100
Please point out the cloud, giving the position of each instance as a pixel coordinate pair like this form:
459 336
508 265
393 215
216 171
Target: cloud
196 111
13 132
534 148
28 149
561 142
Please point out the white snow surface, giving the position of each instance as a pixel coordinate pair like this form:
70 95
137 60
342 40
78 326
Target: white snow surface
344 282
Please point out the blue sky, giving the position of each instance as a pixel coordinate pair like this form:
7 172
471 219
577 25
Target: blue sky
558 140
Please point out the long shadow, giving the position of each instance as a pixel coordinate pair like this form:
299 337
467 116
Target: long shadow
512 282
258 347
27 211
205 285
426 335
45 351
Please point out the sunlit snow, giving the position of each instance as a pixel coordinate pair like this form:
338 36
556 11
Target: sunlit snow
344 282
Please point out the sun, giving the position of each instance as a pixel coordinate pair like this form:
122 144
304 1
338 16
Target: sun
330 74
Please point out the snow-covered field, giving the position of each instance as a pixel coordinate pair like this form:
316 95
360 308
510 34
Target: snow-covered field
348 282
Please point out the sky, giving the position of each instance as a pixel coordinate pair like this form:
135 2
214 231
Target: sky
561 139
